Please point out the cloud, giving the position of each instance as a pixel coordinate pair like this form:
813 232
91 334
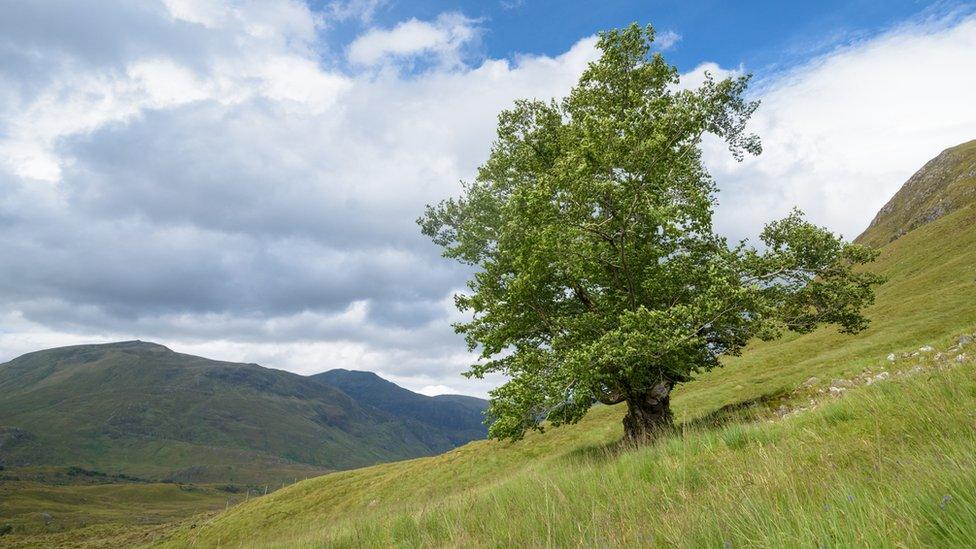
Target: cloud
842 132
362 10
69 68
441 39
667 39
247 202
206 175
433 390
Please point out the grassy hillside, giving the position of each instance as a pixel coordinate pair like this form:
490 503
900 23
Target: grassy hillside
141 409
945 184
888 465
891 464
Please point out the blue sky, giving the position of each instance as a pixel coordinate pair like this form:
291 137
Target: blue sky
240 179
763 36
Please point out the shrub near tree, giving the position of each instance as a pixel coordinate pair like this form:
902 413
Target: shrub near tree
598 274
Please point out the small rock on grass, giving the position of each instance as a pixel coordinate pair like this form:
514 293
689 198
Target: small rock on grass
880 377
810 382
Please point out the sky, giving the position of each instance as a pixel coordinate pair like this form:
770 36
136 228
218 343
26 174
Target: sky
241 180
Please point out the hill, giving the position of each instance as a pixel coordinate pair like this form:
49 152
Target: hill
141 409
943 185
456 418
815 440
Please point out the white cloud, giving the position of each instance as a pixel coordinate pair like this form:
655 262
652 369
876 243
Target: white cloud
844 131
667 39
434 390
442 38
696 76
263 49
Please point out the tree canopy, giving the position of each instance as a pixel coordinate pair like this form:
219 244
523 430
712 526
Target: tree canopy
598 274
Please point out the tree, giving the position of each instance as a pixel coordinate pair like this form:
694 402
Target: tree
598 275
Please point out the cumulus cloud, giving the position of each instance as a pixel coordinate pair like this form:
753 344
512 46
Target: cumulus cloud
441 39
201 174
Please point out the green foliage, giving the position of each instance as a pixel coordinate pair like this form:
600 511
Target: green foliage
600 278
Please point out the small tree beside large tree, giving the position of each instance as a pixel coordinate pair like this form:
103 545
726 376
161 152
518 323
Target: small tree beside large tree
598 274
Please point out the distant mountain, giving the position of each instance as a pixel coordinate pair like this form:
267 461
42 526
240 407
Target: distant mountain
456 417
139 408
943 185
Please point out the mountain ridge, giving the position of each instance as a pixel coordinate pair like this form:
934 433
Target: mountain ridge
941 186
139 407
450 410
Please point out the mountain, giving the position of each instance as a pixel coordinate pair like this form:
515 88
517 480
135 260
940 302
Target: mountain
821 439
141 409
459 419
943 185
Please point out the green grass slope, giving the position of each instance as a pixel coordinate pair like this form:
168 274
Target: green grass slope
891 464
141 409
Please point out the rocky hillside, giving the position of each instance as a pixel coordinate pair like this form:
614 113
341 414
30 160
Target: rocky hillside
943 185
139 408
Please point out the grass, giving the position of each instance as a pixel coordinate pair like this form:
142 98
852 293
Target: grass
44 507
890 465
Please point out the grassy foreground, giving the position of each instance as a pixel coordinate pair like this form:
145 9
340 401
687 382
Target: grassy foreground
889 465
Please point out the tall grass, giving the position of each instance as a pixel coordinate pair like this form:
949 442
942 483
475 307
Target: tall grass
891 465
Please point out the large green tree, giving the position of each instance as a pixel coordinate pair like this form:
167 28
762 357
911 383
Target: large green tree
598 274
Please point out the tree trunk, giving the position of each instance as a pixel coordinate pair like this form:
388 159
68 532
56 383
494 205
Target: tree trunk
648 413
